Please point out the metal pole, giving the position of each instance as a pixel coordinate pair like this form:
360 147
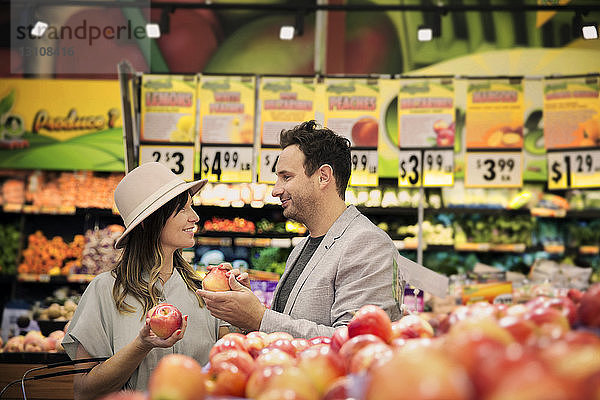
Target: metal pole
126 74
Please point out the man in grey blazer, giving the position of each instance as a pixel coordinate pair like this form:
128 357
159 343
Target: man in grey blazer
346 261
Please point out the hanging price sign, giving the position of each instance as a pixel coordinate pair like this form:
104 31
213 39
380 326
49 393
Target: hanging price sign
267 167
490 169
409 174
226 164
364 168
438 168
180 159
574 169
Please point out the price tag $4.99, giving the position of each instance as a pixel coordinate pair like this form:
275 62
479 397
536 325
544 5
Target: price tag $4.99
227 164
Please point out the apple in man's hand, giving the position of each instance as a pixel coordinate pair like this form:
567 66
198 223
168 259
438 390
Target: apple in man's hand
164 320
217 279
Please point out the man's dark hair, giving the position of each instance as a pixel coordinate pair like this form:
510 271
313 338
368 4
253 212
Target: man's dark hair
321 146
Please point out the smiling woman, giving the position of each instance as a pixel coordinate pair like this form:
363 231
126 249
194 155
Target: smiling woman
112 319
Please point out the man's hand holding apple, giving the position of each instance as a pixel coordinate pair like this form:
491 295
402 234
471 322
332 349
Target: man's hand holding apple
226 305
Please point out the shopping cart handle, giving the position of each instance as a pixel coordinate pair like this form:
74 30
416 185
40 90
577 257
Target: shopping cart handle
53 374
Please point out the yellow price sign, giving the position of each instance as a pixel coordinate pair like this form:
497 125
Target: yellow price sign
227 164
574 169
410 168
267 165
364 168
438 168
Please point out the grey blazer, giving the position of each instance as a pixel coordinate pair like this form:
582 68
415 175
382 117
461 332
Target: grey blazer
352 267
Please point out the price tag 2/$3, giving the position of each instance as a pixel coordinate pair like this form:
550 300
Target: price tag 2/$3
494 169
180 159
409 174
364 167
226 163
573 169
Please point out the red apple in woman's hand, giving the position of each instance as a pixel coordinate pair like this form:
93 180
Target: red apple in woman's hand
217 279
164 320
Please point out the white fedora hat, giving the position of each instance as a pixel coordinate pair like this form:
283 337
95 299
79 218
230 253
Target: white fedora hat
144 190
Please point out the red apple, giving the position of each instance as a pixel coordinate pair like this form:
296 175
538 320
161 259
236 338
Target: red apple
366 357
410 327
217 280
262 335
575 295
529 380
352 346
550 321
426 371
322 365
254 345
239 358
271 337
522 330
371 319
340 389
565 306
319 340
165 319
227 343
282 344
288 382
339 337
177 376
589 306
575 361
300 344
274 357
227 379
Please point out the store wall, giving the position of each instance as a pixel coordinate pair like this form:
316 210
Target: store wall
246 41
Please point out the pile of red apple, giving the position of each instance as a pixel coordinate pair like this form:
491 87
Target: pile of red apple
479 351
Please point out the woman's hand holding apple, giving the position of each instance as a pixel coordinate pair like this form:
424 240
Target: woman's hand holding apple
150 340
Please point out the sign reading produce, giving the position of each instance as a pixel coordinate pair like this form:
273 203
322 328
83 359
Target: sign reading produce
352 110
572 132
494 133
78 130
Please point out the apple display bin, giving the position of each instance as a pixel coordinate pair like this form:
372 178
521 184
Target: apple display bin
45 376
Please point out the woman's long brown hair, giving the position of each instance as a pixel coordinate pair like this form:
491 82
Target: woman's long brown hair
136 272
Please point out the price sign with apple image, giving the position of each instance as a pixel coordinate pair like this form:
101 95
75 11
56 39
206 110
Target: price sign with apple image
180 159
438 168
364 167
494 169
574 169
226 163
267 166
410 168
